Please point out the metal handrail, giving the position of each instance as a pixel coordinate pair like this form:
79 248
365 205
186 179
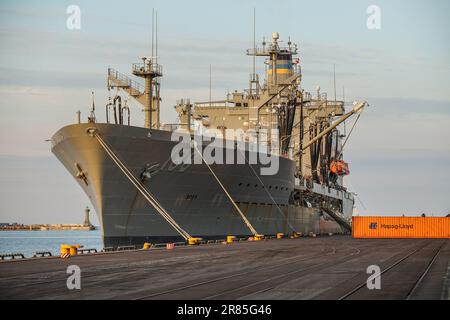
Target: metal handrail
147 67
126 80
268 49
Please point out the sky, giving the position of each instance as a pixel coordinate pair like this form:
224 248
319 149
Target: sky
399 152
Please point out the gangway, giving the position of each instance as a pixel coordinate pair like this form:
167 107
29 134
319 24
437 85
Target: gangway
121 81
344 223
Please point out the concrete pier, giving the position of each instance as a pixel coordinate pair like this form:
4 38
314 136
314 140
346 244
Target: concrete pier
306 268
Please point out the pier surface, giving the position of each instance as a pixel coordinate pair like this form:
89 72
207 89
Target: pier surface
307 268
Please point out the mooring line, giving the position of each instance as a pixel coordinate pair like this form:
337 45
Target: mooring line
139 186
244 218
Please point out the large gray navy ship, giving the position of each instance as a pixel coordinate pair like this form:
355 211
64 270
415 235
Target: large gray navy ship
141 195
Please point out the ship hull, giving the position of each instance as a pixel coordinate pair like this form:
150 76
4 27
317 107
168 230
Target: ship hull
189 192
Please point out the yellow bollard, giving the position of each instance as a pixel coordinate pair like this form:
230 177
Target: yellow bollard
64 249
147 246
194 241
258 237
231 239
280 235
296 235
73 250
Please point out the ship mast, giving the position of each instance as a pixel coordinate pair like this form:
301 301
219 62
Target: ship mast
150 70
280 92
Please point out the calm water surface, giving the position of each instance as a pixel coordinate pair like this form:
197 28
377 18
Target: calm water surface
28 242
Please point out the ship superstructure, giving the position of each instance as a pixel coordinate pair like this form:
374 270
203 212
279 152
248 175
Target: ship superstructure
141 195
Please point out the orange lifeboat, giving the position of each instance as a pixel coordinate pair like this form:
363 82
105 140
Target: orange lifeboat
339 167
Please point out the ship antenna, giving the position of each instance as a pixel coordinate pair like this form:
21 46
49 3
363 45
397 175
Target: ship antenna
153 31
334 81
254 41
93 102
156 36
92 117
343 94
343 98
210 85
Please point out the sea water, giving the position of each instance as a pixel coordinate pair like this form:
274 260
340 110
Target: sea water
29 242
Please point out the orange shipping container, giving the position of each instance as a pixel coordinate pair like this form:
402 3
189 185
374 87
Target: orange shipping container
401 227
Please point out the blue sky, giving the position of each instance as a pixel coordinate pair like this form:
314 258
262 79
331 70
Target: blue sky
399 151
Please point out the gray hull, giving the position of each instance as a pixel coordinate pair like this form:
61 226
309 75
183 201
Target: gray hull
188 192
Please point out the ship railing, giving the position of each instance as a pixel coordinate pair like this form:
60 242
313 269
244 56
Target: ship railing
126 248
307 96
124 81
171 127
12 256
215 104
332 103
264 51
87 251
42 254
147 67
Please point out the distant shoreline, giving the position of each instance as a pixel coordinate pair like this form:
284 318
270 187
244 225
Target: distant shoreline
58 227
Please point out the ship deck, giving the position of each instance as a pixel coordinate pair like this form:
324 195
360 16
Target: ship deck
306 268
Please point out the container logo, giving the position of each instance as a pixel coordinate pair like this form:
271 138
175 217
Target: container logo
373 225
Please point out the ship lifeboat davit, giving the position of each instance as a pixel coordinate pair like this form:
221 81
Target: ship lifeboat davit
339 167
